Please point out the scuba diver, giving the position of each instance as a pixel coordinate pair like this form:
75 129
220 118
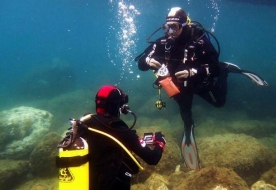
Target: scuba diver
186 63
110 143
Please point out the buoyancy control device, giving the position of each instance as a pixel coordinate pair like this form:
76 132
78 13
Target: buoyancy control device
73 158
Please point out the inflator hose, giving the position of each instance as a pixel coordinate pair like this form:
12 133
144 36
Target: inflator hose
119 143
112 138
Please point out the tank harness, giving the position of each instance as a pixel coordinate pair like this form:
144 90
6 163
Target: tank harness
79 160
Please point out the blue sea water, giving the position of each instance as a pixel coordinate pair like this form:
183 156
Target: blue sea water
49 48
88 37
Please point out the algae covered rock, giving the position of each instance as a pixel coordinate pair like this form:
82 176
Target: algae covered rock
42 159
40 184
255 128
244 154
170 159
171 156
47 80
155 181
20 130
212 177
12 172
270 176
261 185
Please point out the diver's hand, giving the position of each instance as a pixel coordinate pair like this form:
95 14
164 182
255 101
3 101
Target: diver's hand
154 64
160 140
192 72
183 74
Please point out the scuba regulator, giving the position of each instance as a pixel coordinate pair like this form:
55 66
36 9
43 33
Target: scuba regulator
125 110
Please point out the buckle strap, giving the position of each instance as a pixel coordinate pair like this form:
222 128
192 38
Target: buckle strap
75 161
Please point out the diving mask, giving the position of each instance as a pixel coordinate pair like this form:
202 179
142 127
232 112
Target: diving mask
172 27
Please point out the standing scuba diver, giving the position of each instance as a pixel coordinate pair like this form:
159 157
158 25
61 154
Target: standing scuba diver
187 63
110 143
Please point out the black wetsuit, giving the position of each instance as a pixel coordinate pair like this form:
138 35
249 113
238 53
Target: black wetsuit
202 56
109 165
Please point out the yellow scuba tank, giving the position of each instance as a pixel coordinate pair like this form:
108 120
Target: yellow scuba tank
73 161
73 164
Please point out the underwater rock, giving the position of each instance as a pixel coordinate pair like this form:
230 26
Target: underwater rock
255 128
20 130
39 184
42 159
47 80
176 178
39 187
219 187
261 185
244 154
12 172
270 176
155 181
210 178
170 159
71 104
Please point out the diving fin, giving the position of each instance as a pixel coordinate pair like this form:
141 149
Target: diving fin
232 68
189 149
255 78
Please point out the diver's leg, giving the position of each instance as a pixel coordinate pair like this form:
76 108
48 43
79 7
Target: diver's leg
215 92
185 100
188 144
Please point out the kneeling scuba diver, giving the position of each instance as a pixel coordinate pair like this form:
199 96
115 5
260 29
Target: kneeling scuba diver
96 152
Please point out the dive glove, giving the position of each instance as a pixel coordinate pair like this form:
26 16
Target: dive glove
182 73
160 139
153 63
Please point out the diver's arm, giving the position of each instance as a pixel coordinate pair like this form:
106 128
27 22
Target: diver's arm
153 57
150 156
142 64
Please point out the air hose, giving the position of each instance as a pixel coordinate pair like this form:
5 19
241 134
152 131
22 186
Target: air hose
112 138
